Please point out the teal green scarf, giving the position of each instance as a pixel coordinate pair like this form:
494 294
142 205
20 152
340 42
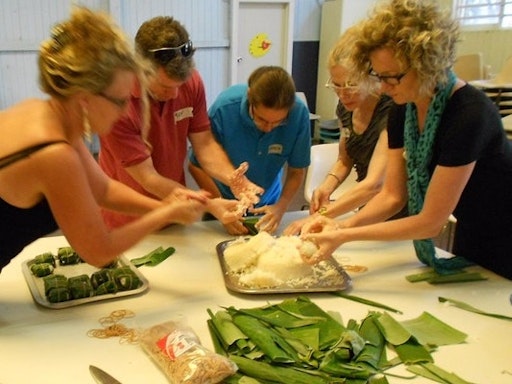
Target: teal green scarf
418 153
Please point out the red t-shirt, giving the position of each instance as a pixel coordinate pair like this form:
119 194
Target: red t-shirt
171 123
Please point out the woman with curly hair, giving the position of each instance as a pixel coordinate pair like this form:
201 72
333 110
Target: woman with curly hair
448 153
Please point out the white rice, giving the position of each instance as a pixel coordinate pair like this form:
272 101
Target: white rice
267 262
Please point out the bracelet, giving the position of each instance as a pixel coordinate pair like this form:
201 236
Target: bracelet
322 211
336 177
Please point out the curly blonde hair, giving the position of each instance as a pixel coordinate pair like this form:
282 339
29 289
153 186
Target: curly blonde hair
83 54
340 55
422 35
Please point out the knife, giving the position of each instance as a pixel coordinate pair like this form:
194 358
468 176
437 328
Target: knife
101 376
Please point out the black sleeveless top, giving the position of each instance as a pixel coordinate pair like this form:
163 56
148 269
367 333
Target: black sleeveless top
21 226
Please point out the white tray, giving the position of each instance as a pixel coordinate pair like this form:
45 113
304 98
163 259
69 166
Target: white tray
36 284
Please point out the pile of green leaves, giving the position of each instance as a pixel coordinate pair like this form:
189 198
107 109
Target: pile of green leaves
297 342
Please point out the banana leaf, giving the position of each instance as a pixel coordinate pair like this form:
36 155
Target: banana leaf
455 276
365 301
467 307
270 342
154 257
374 351
406 346
329 329
435 373
228 331
429 330
279 374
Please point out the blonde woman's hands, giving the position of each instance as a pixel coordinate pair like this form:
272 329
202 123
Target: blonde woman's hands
224 210
187 194
295 227
186 206
326 234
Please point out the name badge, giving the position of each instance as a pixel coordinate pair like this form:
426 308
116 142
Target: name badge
275 149
183 114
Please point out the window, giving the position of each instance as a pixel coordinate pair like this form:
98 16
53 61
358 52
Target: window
484 13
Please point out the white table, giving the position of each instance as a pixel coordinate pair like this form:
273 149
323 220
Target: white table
40 345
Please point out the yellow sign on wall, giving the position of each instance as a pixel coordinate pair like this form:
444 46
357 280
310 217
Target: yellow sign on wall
259 45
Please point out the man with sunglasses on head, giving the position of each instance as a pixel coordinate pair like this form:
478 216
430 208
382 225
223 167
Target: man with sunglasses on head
152 162
265 124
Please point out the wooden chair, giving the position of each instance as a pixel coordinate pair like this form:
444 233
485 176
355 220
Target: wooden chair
505 74
469 67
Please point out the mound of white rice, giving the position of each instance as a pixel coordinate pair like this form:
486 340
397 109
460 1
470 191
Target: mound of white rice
265 261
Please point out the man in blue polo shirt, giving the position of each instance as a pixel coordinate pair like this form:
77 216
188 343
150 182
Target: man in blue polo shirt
265 124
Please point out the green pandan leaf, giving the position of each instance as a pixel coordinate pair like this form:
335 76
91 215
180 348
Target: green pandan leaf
467 307
365 301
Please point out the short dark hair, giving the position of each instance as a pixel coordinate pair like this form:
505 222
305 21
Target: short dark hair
160 32
272 87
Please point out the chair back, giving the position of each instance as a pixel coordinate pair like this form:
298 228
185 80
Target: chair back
302 97
323 157
505 74
469 67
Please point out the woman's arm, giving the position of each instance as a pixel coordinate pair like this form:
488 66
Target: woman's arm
336 176
367 188
442 196
73 192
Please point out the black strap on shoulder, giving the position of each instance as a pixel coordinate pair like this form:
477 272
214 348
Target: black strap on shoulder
23 153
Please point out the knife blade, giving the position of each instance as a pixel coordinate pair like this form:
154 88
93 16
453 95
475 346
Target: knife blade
101 376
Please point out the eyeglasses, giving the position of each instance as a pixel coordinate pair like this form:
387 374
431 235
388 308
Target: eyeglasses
121 103
166 54
261 121
388 79
347 87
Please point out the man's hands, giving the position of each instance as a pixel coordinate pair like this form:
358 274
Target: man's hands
244 190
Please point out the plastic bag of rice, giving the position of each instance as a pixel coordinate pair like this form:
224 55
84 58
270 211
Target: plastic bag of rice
177 351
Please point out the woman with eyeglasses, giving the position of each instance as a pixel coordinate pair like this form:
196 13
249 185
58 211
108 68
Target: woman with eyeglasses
265 124
151 160
362 112
448 152
48 177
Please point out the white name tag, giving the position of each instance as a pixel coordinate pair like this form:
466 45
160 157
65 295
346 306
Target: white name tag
183 114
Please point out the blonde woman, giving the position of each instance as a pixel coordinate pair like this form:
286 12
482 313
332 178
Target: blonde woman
362 112
48 178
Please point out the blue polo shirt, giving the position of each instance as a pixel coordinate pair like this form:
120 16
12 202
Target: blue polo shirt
266 153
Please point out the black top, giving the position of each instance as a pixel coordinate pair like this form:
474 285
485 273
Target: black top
19 226
360 146
471 130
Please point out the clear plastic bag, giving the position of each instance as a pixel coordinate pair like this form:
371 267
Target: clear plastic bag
176 349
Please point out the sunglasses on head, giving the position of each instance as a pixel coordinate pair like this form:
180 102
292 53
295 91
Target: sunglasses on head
166 54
